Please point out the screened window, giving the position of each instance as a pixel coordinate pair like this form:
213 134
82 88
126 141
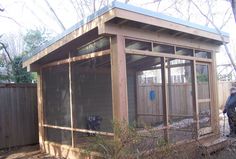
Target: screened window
58 136
98 45
184 51
138 45
56 95
92 97
163 48
202 54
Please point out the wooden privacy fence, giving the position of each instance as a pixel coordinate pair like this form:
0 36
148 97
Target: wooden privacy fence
223 92
18 115
149 109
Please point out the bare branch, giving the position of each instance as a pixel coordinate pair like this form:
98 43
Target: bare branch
227 19
75 8
170 6
54 13
94 6
100 5
188 11
4 47
80 8
127 1
177 9
158 5
36 16
154 1
10 18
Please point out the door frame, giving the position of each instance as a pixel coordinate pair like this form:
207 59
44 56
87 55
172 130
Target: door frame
205 130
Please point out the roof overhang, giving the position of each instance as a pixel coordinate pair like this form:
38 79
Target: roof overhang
120 14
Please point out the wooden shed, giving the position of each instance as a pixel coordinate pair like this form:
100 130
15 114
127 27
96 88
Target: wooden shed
128 64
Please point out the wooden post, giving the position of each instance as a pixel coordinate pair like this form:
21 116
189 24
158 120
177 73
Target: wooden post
119 79
165 99
214 96
40 110
195 101
71 104
169 89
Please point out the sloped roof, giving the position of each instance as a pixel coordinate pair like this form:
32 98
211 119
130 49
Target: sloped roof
105 10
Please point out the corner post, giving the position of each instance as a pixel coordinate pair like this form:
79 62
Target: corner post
40 109
195 101
214 96
119 79
165 100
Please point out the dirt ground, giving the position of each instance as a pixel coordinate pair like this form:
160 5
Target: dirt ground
28 152
32 152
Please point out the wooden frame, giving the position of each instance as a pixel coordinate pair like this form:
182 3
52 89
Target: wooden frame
78 58
78 130
119 79
165 99
156 54
71 104
207 130
208 62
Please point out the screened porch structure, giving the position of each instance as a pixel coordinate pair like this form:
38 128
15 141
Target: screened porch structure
125 63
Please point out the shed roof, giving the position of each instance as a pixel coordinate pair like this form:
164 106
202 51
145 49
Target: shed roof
108 13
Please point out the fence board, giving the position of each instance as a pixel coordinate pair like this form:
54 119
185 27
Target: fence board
18 115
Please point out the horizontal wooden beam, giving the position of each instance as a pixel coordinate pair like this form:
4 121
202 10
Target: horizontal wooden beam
169 66
78 130
203 100
158 54
78 58
66 151
180 115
